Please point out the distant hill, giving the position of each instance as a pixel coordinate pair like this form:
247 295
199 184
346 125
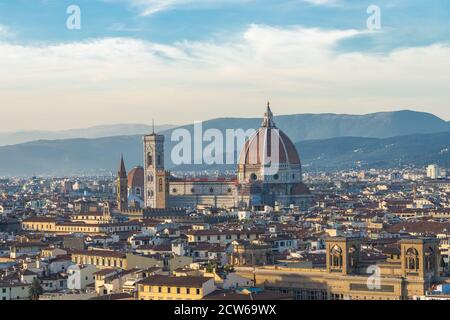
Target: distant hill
348 152
298 126
96 156
11 138
374 125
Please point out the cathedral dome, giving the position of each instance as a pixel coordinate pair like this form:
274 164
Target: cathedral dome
136 178
259 148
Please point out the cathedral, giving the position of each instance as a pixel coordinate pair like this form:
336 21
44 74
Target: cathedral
254 186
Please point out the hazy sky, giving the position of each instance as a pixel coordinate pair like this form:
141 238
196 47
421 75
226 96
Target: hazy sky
183 60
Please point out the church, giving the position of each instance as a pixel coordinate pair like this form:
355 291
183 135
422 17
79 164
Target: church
254 185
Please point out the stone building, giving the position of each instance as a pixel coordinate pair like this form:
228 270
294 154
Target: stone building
251 253
348 276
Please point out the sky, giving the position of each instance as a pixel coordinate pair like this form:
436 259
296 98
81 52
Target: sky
179 61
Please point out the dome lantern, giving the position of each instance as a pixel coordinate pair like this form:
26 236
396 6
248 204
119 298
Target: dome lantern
268 118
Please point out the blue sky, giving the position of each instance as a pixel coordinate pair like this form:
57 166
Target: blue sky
410 22
239 53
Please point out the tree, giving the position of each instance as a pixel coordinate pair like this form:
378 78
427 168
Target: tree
211 267
228 268
35 289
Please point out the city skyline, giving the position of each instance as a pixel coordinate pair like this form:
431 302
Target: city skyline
181 61
240 154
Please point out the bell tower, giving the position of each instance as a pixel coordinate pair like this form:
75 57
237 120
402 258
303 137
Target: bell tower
420 258
342 255
122 187
156 179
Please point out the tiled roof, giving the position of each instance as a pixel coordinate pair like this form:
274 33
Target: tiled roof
188 281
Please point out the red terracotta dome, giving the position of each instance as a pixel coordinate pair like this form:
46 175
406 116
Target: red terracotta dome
136 178
262 145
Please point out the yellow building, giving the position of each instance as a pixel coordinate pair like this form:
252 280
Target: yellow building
39 224
160 287
80 224
102 259
91 218
411 272
78 227
222 237
107 259
50 225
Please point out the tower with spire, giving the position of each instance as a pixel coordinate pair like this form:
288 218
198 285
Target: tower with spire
122 186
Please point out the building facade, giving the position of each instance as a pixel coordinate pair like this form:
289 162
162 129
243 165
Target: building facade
348 276
159 287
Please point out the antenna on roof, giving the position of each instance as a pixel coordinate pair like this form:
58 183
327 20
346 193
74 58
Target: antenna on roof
153 125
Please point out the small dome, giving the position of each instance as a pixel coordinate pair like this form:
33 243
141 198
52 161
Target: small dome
136 178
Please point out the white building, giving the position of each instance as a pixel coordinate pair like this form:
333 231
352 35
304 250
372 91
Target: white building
433 171
6 209
234 281
79 277
58 265
244 215
14 291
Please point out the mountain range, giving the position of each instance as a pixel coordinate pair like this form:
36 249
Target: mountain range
298 126
324 141
11 138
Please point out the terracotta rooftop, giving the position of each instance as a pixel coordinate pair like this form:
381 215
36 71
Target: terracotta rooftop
188 281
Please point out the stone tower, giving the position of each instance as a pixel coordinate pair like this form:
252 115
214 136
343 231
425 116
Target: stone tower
156 179
342 254
420 258
122 187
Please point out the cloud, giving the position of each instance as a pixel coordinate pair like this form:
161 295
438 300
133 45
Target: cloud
150 7
120 27
321 2
125 79
5 32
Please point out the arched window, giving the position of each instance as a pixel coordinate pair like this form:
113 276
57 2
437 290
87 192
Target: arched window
160 185
412 259
336 257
